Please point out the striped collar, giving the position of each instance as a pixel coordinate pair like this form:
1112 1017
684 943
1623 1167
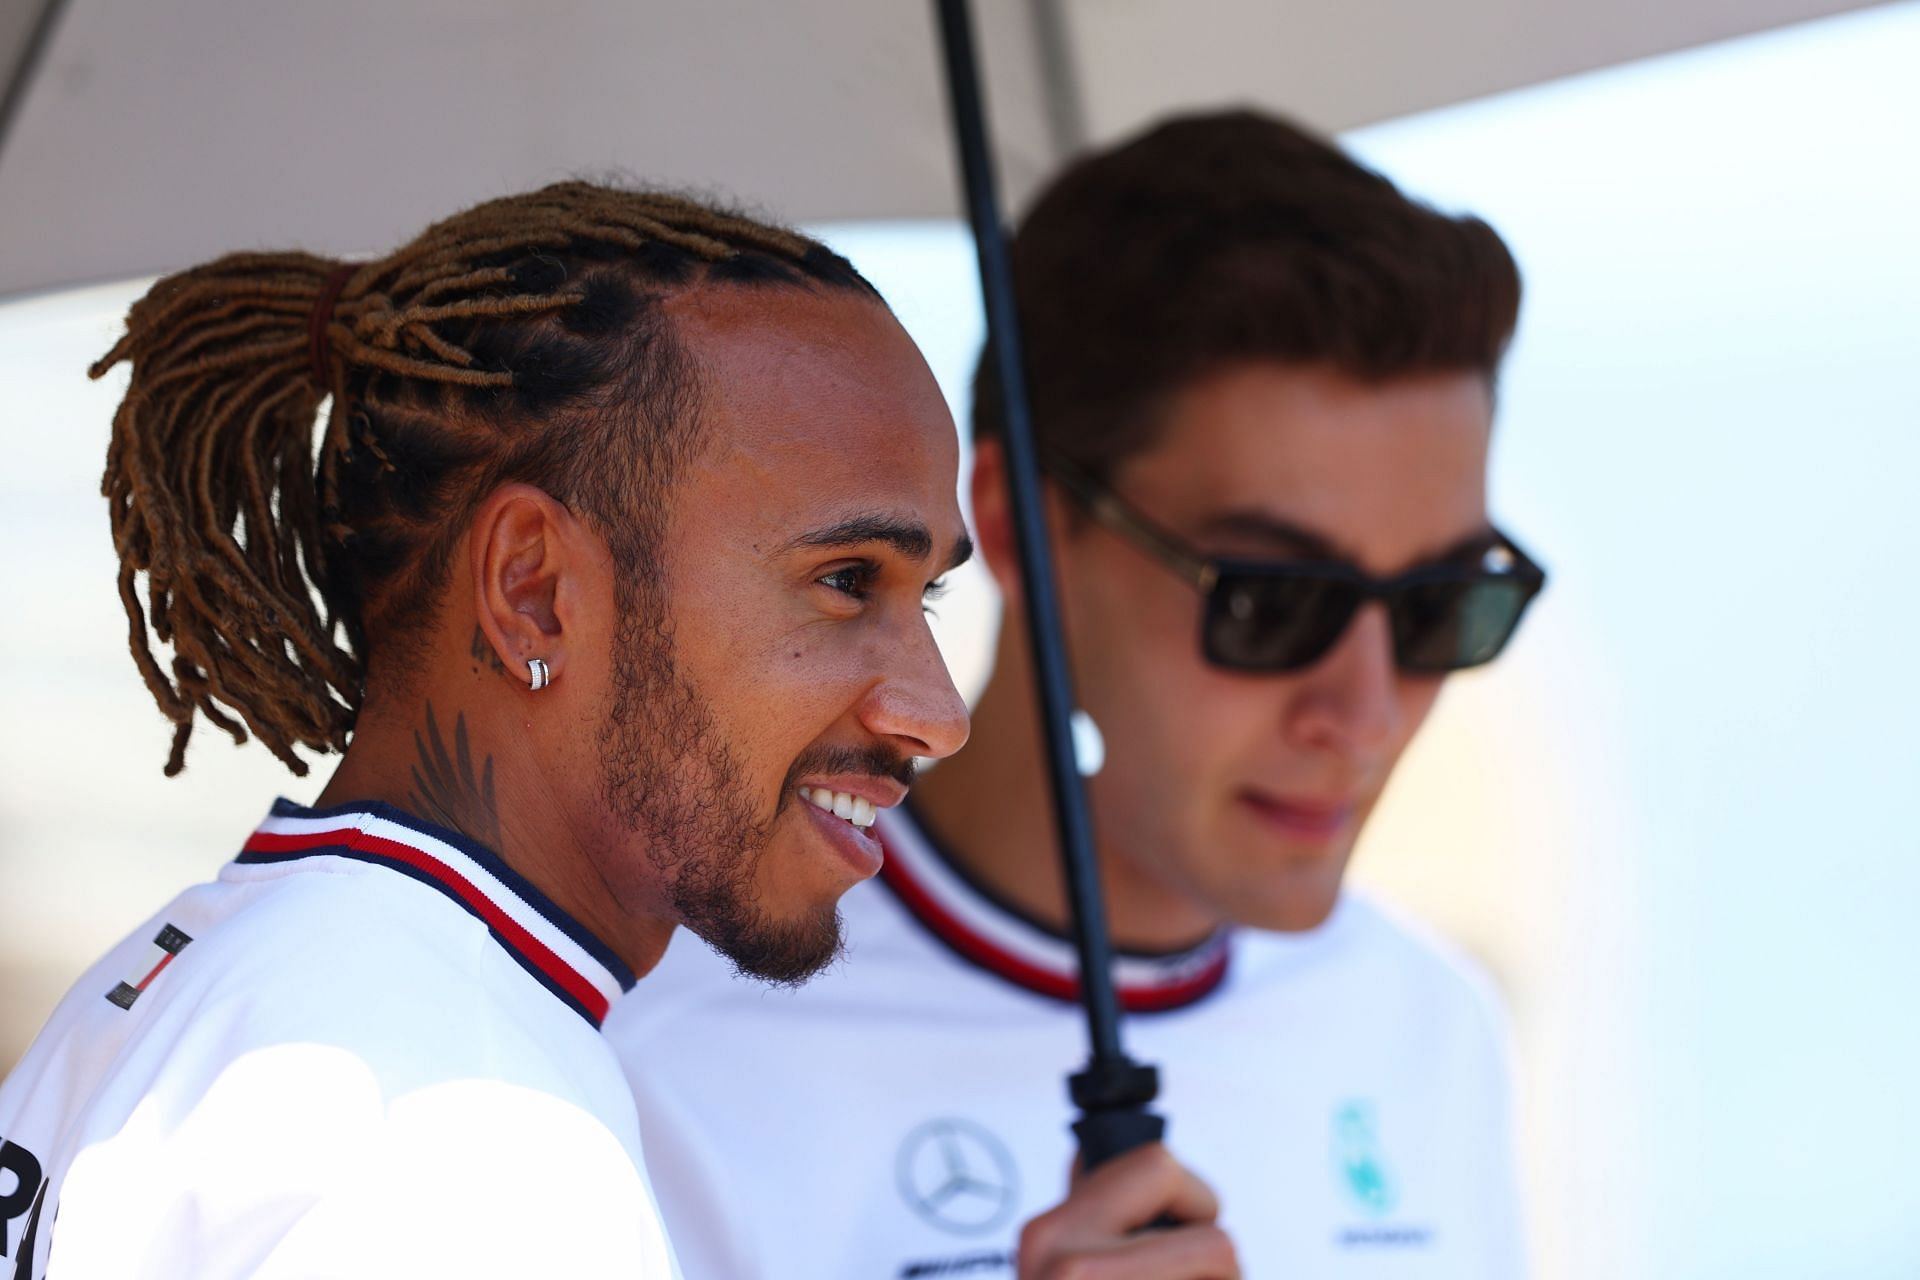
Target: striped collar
997 938
557 950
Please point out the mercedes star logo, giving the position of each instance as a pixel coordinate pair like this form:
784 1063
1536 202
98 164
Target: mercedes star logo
958 1176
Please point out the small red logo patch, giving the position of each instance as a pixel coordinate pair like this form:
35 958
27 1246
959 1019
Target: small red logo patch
171 942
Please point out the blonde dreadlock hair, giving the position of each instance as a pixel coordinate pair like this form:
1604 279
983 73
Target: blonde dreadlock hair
522 340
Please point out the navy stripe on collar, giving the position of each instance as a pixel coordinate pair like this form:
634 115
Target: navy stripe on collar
994 936
559 952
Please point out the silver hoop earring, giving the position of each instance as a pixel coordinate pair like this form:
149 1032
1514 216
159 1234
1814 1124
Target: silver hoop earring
537 676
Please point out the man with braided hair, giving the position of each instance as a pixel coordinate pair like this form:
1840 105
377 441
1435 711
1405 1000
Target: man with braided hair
1261 378
596 580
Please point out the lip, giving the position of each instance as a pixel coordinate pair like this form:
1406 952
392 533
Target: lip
1317 821
859 849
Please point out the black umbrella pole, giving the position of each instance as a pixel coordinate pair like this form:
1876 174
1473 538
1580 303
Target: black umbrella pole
1113 1091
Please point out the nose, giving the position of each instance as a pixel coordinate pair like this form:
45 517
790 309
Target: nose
914 703
1349 702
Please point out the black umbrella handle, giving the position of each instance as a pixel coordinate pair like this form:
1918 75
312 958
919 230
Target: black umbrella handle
1112 1095
1113 1092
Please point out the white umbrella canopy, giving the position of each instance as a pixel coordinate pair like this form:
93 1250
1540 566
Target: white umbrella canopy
151 134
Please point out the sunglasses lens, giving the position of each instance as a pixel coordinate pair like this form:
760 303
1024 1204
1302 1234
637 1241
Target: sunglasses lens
1445 626
1261 623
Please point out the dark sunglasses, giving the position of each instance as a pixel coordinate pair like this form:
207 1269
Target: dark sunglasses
1284 615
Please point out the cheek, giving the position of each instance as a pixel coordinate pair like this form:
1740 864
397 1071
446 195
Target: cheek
1172 722
1128 619
770 683
1416 695
779 694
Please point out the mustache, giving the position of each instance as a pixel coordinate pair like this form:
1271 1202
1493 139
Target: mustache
875 761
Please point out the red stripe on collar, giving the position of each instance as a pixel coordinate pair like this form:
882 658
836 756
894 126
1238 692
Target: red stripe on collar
993 937
542 939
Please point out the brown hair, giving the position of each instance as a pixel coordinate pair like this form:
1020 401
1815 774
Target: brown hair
522 340
1216 239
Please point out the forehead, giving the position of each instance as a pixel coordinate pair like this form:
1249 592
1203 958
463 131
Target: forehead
1386 472
817 402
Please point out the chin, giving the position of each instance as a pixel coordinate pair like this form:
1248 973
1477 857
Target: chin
1289 913
786 953
1284 899
1281 884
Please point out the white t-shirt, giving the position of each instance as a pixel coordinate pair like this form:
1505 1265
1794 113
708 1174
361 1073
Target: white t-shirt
368 1048
1344 1090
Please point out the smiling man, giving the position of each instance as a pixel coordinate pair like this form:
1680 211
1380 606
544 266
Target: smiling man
1263 382
619 626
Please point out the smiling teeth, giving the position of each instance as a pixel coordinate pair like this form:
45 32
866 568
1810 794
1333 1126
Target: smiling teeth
855 809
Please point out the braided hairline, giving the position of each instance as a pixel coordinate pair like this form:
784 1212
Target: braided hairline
210 483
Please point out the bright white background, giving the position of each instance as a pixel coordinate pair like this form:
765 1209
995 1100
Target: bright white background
1676 822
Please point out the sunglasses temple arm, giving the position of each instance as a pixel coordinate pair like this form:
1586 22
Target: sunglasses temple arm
1116 515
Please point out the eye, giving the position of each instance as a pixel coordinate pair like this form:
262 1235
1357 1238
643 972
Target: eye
932 592
854 581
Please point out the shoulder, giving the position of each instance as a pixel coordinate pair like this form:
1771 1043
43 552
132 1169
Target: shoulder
1387 960
695 1019
338 1073
297 1156
359 958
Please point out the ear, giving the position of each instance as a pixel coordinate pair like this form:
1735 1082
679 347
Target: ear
993 529
525 553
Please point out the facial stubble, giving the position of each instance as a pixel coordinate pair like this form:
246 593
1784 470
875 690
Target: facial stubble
669 778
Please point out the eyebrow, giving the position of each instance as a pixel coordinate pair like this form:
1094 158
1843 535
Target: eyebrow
1257 526
1284 534
909 537
962 552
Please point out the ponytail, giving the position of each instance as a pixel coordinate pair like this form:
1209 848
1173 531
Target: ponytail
210 486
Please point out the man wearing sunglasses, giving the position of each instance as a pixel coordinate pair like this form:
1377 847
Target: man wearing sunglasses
1263 380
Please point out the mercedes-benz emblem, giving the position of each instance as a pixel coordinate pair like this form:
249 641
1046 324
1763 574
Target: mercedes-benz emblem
958 1176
